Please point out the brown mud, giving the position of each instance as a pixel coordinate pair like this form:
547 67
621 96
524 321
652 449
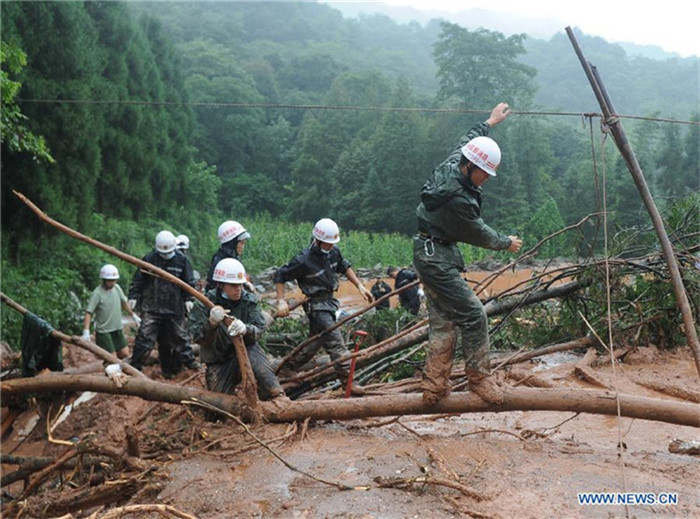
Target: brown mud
482 465
524 464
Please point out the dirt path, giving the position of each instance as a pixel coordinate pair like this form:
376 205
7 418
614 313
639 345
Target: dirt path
526 464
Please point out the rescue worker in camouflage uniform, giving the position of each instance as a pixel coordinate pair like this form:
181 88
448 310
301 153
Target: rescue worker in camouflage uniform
163 305
316 271
210 331
449 212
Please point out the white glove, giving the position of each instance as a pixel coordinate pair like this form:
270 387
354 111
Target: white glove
132 303
282 308
136 319
116 375
421 293
365 293
216 315
237 327
86 335
189 305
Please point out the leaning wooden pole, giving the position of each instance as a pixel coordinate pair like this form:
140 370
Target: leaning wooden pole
86 345
515 399
620 138
340 323
247 377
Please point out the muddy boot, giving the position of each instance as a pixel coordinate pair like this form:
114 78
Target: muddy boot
433 391
278 398
485 386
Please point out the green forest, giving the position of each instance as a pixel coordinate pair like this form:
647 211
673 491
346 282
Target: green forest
120 119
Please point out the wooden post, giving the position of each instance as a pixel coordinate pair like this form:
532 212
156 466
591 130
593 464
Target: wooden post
620 138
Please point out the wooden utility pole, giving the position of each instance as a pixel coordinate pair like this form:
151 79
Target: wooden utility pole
620 138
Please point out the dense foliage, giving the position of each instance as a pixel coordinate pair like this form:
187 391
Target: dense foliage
122 119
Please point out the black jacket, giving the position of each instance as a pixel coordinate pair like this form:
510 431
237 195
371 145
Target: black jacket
409 298
315 272
159 296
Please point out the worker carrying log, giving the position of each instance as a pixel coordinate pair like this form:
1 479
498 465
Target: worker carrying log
208 329
450 212
316 270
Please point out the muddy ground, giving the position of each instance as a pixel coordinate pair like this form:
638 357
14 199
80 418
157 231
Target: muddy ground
508 465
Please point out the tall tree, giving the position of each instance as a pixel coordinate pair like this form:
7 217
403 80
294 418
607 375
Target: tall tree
479 68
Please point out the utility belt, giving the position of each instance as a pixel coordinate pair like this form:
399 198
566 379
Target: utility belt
427 237
317 298
325 303
430 241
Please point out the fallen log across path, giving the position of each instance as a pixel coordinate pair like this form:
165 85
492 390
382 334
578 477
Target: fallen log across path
515 399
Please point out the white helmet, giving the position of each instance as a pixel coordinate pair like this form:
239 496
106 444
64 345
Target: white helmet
109 272
229 270
183 242
165 242
326 230
484 153
231 230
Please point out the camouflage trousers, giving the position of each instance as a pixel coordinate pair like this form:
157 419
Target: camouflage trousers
456 315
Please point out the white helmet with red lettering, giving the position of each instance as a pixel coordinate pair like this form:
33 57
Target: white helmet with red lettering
109 272
484 153
231 230
326 230
165 242
229 270
183 242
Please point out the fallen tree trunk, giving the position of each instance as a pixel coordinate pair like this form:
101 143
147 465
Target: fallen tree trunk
520 399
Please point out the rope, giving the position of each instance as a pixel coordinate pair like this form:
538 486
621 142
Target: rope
288 106
611 346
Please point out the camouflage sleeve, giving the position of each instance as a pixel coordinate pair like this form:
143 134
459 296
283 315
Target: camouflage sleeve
468 227
198 322
255 322
478 130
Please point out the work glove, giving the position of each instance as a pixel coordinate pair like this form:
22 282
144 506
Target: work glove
136 319
116 375
86 335
421 293
365 293
282 308
216 315
132 303
189 305
237 327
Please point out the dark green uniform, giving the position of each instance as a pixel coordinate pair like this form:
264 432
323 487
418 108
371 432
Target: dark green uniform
450 212
217 351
